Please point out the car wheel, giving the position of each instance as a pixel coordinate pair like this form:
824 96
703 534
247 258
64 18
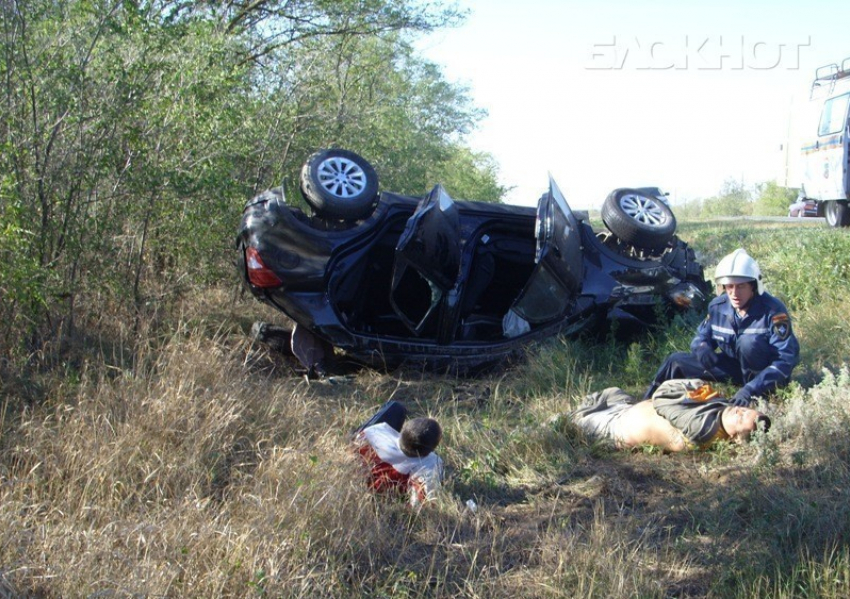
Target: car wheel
837 214
339 184
638 219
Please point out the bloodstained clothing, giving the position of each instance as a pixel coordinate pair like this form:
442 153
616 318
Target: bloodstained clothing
392 471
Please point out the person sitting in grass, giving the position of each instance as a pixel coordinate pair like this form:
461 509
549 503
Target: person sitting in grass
399 453
682 414
746 339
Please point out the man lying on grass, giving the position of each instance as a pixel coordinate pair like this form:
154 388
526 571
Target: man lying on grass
682 414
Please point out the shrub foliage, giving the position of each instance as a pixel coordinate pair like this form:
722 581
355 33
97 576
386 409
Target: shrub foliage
132 134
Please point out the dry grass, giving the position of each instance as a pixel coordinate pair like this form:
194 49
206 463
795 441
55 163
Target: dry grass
202 466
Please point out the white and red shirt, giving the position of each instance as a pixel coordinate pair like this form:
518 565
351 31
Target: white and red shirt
391 470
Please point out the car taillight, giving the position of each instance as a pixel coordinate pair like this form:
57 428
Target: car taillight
258 273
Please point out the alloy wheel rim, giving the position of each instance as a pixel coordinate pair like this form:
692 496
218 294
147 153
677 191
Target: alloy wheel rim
341 177
643 210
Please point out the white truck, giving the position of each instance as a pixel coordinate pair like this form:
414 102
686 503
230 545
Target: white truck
824 142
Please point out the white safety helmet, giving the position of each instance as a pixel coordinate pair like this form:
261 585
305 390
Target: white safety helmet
738 267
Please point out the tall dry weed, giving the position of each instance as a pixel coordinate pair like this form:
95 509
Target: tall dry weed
189 463
816 423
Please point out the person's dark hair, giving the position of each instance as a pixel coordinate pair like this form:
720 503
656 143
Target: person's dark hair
419 437
763 423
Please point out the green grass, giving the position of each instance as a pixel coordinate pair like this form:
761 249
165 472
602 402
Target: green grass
203 467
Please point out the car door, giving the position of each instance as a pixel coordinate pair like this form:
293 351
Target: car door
556 280
846 159
825 158
427 262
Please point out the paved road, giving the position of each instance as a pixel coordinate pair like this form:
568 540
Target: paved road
775 219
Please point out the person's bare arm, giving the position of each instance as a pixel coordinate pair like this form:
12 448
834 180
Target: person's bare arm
641 425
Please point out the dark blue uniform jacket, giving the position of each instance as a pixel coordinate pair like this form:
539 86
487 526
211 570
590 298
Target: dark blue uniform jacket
762 341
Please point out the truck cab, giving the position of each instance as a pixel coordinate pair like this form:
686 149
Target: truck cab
825 143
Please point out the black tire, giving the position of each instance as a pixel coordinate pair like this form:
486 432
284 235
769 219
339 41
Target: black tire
339 184
638 219
837 213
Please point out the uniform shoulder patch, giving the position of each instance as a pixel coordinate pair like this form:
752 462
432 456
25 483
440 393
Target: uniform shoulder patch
780 325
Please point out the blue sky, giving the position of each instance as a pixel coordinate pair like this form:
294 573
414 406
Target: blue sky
683 95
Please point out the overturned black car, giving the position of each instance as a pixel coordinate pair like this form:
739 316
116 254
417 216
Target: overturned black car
448 284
